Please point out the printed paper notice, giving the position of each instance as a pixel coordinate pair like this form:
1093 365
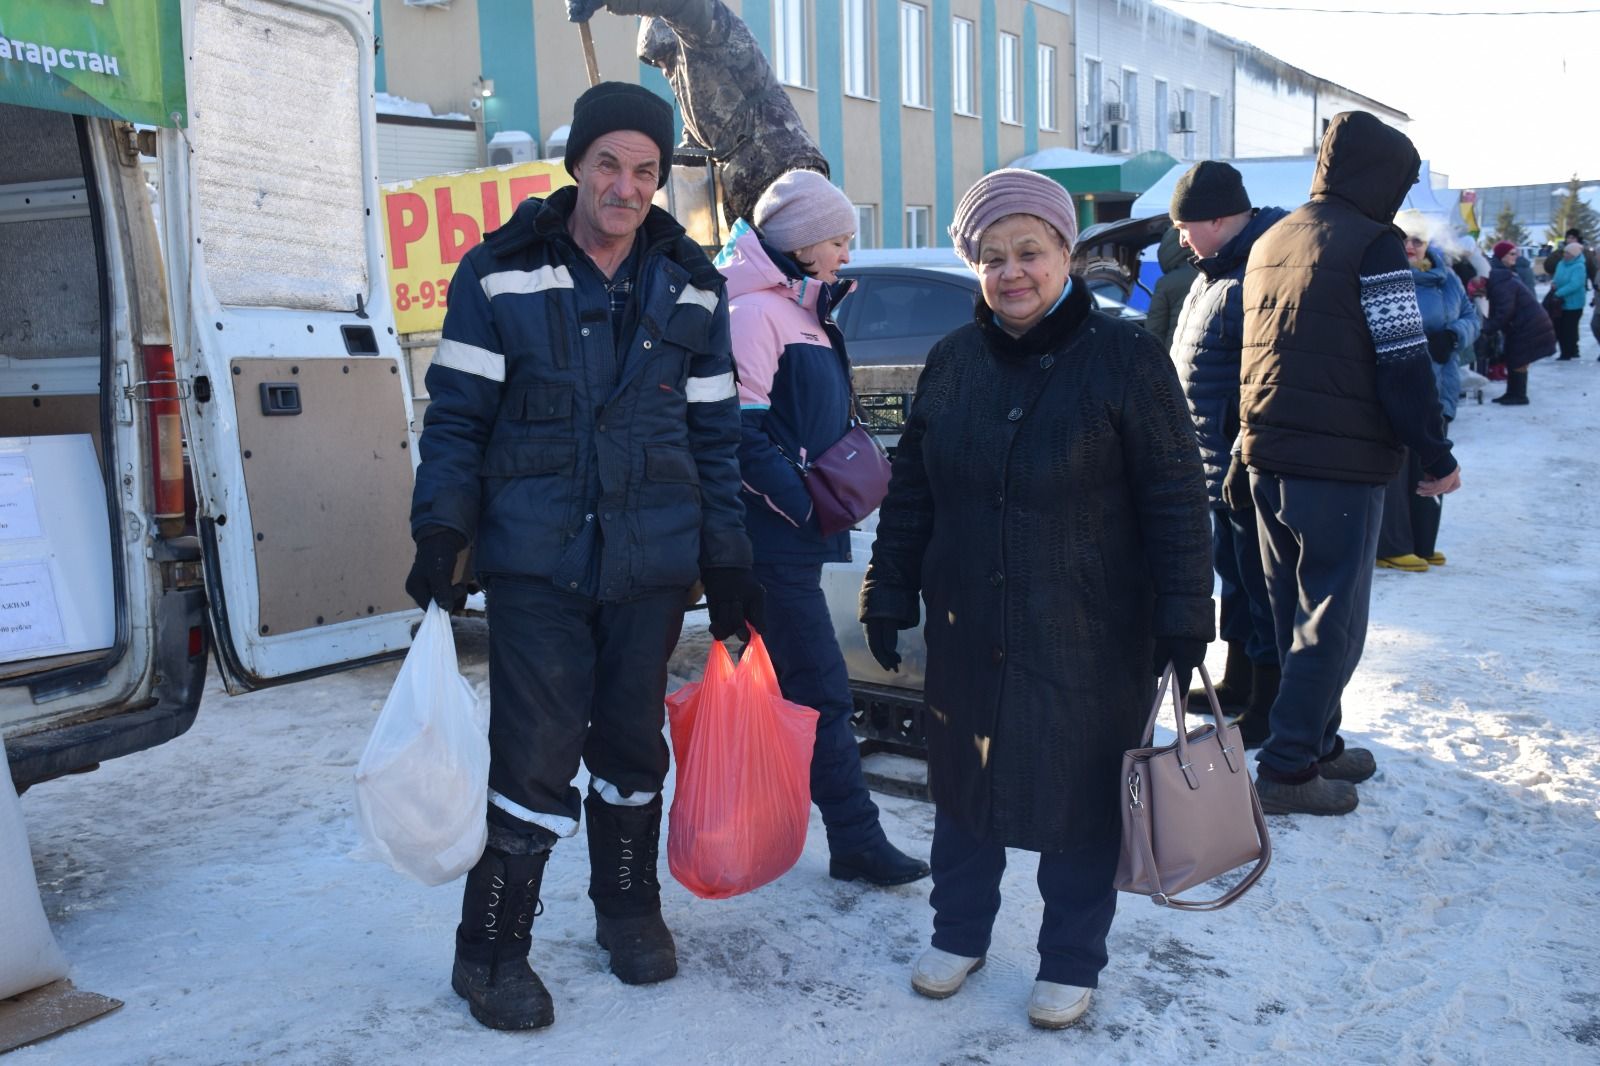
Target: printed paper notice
19 508
30 621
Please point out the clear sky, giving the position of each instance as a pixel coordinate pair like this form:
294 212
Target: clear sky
1507 100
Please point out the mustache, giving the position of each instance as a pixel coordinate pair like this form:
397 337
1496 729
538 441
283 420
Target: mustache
613 201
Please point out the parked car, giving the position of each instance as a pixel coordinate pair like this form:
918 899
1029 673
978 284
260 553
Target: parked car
906 299
1117 259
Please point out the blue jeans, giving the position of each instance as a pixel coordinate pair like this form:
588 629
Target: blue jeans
1246 612
1079 901
1318 541
811 672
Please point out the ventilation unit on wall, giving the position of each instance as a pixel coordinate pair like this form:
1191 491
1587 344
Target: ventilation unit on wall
1116 112
1183 122
1115 139
512 146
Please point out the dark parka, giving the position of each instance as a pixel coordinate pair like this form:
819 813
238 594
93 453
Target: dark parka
1205 348
1048 505
1515 313
1177 275
608 469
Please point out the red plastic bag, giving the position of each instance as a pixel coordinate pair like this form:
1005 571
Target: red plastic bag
743 794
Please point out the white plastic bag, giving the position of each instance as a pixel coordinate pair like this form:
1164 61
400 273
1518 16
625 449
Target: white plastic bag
422 784
28 953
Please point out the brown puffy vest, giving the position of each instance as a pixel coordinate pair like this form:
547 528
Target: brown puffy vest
1308 399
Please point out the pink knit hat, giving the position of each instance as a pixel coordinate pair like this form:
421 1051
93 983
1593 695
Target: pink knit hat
1011 191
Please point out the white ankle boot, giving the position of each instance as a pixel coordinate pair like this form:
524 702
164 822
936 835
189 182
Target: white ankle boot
1054 1006
939 974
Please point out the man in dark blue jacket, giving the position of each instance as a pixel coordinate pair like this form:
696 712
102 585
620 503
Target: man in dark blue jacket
1211 210
584 429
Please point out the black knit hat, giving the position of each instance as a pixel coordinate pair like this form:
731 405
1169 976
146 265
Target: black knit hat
618 105
1209 190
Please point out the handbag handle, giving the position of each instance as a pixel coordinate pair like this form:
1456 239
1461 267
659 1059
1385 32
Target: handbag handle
1169 677
1142 840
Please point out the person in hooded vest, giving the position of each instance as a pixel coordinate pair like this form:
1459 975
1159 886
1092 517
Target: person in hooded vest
1408 540
1335 377
1211 211
583 428
795 403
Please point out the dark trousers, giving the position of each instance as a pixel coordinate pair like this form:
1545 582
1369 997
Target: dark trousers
1567 332
1246 613
1410 522
1318 540
811 672
1079 901
572 678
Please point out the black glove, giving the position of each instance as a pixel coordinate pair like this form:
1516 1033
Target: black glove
1236 487
1442 345
583 10
733 598
1185 654
883 636
432 574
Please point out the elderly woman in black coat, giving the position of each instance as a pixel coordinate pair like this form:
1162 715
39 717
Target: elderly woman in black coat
1048 506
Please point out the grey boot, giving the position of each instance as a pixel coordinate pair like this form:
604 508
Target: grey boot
1316 795
491 969
623 842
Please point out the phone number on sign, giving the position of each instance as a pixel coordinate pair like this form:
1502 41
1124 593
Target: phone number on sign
428 294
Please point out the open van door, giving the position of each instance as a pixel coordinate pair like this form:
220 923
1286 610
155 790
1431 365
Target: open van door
295 401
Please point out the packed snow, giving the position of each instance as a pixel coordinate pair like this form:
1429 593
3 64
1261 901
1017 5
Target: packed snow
1451 919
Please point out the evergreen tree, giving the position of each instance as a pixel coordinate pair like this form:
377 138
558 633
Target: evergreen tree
1572 212
1507 228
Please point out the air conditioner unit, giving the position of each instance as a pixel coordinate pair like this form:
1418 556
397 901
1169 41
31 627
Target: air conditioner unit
512 146
1116 138
427 3
1116 112
1183 122
555 146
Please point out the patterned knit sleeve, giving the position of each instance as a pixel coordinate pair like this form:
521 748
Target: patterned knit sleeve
1406 385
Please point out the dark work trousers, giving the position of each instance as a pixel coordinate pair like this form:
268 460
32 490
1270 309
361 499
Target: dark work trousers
811 672
1410 522
1246 613
1318 540
1567 332
573 678
1079 901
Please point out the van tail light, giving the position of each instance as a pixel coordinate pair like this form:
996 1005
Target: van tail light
167 474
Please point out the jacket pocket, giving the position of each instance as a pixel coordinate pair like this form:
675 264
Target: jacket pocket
540 403
526 458
670 463
689 328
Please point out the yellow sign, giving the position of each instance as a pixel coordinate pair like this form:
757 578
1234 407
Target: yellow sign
430 223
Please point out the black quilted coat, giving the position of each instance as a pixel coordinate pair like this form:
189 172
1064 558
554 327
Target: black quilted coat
1047 503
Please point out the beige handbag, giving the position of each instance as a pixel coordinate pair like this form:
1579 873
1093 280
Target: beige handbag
1190 810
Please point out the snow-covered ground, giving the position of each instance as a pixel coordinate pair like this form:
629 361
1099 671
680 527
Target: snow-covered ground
1452 919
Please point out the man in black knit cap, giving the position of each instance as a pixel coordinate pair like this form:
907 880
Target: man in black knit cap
583 429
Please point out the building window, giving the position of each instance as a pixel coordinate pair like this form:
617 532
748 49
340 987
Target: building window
1009 78
858 47
1188 137
913 55
866 226
919 226
1163 115
1047 87
1130 101
789 47
964 72
1215 132
1093 113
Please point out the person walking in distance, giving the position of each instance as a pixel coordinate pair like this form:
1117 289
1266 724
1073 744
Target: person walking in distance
1335 377
584 430
1211 210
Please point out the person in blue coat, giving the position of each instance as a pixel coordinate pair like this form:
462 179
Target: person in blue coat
1569 283
1408 538
795 403
1211 211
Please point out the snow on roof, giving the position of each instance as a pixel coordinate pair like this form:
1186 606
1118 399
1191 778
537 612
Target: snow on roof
388 104
1065 158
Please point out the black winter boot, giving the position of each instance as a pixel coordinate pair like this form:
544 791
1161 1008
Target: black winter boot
1233 691
623 842
1254 723
491 969
1516 394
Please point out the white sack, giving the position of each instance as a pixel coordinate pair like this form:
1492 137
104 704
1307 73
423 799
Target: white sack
28 953
422 784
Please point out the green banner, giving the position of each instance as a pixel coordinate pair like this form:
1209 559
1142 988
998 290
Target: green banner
108 58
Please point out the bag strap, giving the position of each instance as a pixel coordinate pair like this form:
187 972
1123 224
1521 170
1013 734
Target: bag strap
1142 839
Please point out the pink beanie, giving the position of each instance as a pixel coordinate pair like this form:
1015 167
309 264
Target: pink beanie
802 208
1011 191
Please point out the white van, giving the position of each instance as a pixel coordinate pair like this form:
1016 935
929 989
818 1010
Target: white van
205 437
